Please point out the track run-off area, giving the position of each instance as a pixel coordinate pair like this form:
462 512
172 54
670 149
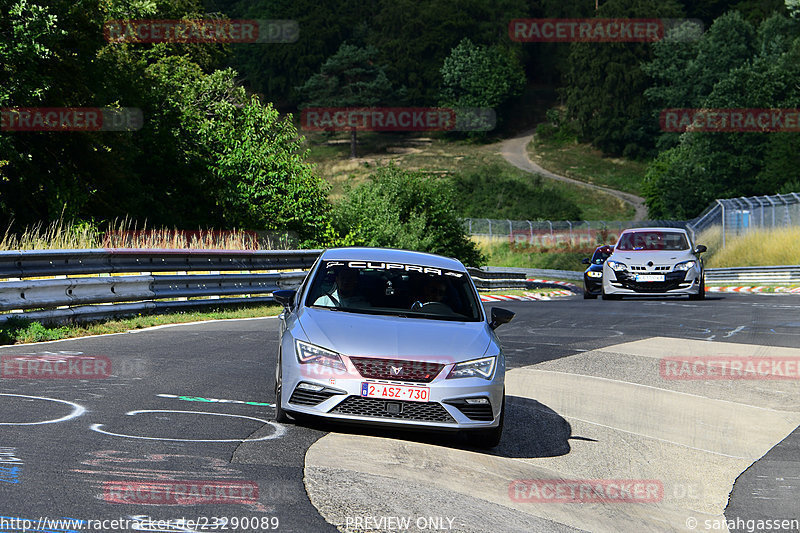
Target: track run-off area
612 424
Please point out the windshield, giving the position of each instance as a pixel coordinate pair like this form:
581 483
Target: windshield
653 240
394 289
600 255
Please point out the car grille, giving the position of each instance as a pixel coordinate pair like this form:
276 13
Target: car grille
374 407
305 397
657 268
652 286
419 371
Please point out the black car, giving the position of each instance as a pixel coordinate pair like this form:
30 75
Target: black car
593 276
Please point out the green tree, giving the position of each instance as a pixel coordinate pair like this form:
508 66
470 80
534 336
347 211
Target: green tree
414 38
401 209
207 154
604 84
761 69
349 78
480 77
275 70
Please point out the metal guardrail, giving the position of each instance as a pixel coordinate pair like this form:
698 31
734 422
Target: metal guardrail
118 282
761 274
98 294
572 275
66 298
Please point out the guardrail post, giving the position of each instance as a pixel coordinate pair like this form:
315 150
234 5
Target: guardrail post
722 205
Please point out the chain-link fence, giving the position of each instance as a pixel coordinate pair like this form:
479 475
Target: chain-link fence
558 233
739 215
733 215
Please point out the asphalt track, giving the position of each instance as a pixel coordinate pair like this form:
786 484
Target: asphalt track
587 401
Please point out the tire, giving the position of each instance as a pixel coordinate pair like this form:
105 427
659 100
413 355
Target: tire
280 414
701 293
610 296
588 295
487 439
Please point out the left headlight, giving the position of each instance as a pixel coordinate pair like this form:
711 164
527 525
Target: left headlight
310 354
594 274
616 266
476 368
686 265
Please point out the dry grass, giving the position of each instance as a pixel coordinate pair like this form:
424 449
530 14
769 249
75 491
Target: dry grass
125 233
769 247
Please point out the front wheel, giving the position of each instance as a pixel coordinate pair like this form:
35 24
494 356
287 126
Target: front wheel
610 296
280 414
588 295
701 292
489 438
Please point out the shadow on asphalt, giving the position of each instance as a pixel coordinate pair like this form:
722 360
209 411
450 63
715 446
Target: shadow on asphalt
531 430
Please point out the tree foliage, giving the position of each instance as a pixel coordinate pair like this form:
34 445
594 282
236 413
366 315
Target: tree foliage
495 192
480 77
604 84
207 154
732 66
402 209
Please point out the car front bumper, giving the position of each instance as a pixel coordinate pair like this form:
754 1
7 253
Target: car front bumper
675 283
341 398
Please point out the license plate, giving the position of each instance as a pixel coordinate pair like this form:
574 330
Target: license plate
395 392
650 277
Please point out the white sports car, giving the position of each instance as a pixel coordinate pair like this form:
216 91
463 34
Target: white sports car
654 262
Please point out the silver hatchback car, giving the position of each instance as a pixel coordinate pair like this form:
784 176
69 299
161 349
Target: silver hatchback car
654 262
391 337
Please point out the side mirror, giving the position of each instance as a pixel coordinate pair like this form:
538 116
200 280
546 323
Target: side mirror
586 261
284 297
500 316
699 249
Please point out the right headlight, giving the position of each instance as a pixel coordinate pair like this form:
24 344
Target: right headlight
616 266
308 354
686 265
476 368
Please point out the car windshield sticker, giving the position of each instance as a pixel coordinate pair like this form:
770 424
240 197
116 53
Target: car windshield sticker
369 265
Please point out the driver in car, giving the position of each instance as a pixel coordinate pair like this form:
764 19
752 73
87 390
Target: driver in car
345 292
432 296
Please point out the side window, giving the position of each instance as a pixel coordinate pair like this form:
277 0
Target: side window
298 298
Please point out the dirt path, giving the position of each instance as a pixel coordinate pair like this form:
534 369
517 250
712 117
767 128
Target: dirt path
515 151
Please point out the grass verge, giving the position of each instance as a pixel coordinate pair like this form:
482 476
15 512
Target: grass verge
500 252
768 247
585 163
438 156
16 331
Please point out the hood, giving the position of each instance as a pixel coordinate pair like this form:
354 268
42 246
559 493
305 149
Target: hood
666 257
395 337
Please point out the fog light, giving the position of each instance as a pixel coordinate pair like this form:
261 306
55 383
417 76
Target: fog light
310 387
477 401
